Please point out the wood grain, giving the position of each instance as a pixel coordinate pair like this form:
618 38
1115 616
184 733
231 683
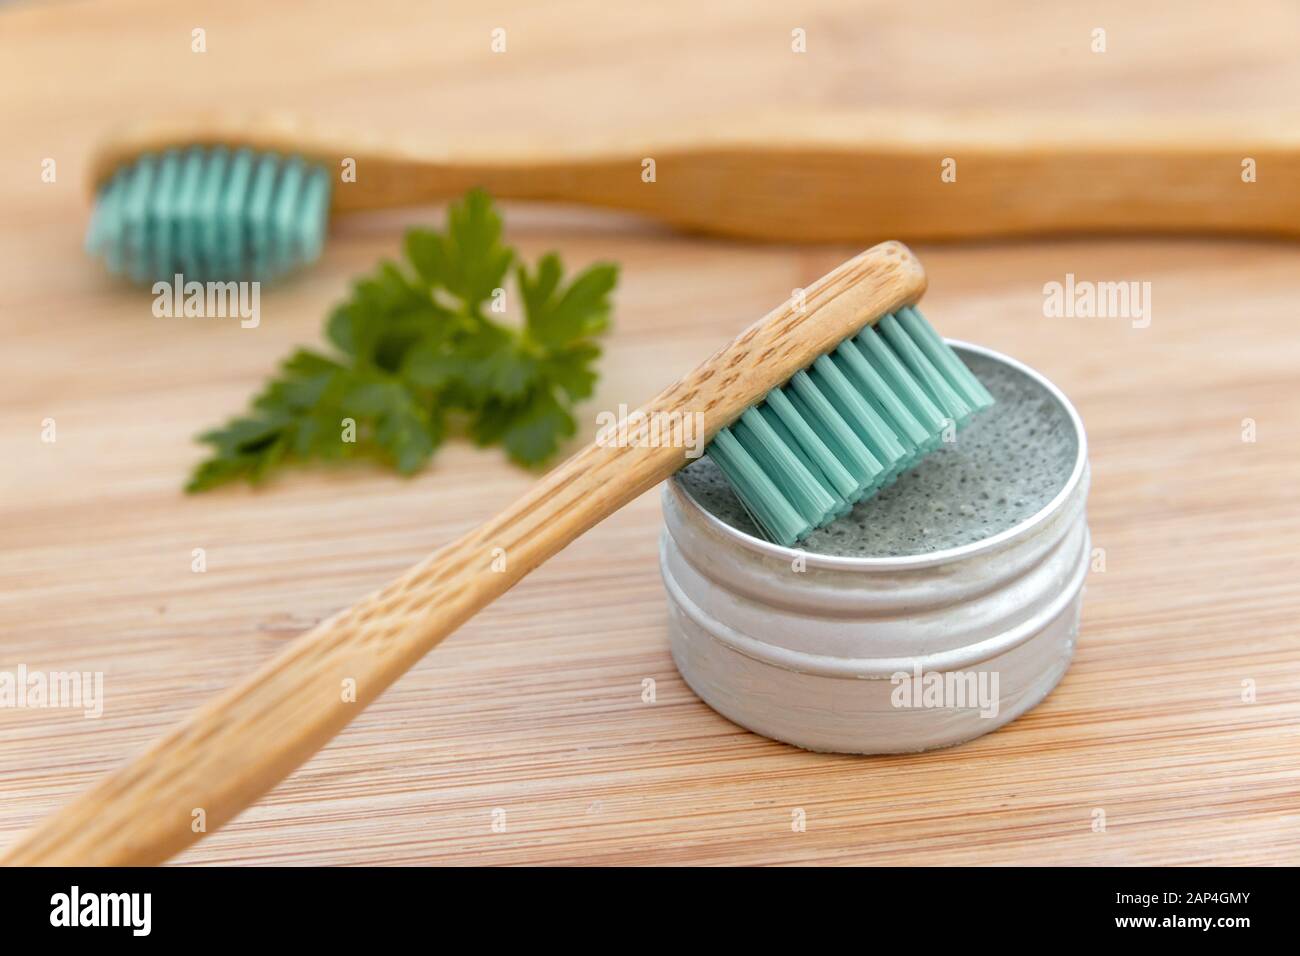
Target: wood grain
535 707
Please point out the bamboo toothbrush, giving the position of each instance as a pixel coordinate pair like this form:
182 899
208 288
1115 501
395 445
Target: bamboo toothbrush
798 393
223 197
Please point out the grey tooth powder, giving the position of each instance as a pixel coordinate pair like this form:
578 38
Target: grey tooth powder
1005 466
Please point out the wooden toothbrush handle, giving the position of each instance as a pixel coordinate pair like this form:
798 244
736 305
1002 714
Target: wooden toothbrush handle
242 743
846 177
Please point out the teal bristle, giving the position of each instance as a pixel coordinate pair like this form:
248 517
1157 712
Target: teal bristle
847 426
210 214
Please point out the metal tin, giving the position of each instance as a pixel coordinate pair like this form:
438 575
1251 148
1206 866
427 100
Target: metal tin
871 655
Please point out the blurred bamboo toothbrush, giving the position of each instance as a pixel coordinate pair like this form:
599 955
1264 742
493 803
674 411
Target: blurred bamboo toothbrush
229 197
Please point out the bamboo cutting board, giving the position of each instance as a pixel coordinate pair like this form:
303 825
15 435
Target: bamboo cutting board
529 737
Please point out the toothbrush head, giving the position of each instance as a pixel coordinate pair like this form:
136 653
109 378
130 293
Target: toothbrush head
210 213
847 426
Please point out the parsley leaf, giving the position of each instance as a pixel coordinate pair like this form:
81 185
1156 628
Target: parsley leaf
414 352
557 318
469 260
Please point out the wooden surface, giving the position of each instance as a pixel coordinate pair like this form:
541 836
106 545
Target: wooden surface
535 707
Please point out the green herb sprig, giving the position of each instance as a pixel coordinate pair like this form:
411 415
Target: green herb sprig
416 357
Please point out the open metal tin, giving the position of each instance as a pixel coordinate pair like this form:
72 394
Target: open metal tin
878 654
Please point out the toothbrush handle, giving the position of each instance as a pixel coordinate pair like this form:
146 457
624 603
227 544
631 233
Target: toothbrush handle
244 742
831 177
